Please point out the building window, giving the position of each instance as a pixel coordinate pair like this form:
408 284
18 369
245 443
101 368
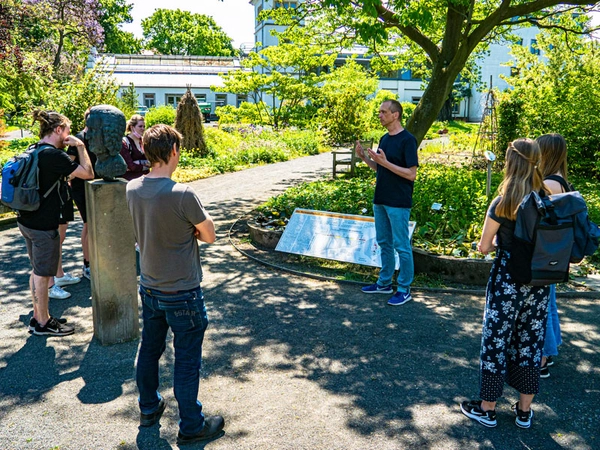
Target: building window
220 100
149 100
389 74
533 48
201 98
286 4
406 74
415 100
241 98
173 99
520 42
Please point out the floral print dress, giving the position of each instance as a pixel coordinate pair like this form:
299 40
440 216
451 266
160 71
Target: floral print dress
514 327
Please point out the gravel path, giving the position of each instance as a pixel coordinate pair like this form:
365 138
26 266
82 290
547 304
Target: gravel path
291 363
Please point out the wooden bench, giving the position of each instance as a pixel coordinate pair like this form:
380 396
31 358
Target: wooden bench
345 155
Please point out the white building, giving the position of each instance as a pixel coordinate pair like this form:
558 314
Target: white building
163 79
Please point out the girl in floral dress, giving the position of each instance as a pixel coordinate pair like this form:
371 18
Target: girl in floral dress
514 322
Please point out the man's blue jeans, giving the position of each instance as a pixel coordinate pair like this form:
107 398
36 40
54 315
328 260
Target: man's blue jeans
391 229
184 312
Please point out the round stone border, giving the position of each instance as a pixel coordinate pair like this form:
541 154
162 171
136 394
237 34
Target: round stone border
263 236
482 266
457 270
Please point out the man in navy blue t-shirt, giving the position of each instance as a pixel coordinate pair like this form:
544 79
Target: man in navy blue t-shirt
395 162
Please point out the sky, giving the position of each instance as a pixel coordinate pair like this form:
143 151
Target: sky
235 17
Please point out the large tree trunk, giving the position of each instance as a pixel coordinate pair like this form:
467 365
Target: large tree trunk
431 103
445 114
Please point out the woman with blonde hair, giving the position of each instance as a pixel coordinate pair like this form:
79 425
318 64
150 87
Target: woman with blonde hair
515 314
554 171
133 151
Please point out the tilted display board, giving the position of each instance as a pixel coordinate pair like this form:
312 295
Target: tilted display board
340 237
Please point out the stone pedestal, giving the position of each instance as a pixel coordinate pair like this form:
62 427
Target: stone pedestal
112 263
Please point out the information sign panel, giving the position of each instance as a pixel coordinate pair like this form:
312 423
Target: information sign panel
341 237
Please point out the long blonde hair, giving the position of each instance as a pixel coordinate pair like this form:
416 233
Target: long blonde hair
133 122
521 176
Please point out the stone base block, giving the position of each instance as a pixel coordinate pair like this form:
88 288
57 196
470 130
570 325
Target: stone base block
112 263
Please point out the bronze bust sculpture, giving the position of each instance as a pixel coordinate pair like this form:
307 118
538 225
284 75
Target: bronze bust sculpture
105 129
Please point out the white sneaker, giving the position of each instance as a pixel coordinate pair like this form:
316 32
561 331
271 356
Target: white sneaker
57 292
86 272
66 280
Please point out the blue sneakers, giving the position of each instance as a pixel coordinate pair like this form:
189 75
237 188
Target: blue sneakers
400 298
377 289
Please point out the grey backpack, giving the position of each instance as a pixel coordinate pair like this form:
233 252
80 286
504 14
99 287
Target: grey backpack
547 237
21 180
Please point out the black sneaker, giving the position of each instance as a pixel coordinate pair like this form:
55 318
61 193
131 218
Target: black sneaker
147 420
549 361
53 328
33 323
523 419
544 371
472 410
213 426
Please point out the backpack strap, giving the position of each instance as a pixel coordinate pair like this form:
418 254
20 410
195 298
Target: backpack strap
51 188
566 186
37 147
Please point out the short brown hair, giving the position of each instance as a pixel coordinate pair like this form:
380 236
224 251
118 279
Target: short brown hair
158 142
395 106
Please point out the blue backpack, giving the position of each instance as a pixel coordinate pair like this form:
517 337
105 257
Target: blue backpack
21 180
550 233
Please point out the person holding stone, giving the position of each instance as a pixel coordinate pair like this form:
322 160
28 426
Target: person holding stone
395 162
168 218
40 227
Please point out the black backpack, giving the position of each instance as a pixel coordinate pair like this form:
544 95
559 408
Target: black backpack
550 233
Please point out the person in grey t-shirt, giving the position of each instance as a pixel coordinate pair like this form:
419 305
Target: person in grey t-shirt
168 219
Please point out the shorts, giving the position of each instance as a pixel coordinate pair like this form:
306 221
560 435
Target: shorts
66 213
43 248
79 199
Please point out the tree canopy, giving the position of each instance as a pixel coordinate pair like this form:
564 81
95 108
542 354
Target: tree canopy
72 27
284 74
436 38
113 13
560 94
176 32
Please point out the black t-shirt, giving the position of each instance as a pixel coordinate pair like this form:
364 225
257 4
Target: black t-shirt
507 227
53 164
391 189
77 184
